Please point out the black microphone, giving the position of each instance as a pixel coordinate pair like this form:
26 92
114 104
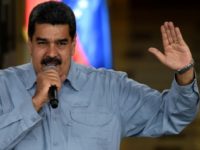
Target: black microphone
53 96
52 93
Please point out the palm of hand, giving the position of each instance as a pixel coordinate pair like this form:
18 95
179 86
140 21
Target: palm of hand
176 53
177 56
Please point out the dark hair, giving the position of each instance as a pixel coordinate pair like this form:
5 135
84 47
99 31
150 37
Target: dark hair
52 12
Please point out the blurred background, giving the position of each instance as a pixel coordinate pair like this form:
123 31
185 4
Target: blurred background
131 27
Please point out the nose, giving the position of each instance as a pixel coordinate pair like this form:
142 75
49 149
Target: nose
52 51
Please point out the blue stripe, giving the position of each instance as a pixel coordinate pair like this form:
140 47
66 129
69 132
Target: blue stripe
93 30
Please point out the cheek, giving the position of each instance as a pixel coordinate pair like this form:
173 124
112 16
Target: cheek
37 56
66 58
66 54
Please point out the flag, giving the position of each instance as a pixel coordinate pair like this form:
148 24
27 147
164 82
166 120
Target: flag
93 30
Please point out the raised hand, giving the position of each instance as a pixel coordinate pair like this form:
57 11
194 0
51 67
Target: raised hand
176 54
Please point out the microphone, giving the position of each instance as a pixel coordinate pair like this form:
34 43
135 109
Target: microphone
52 93
53 96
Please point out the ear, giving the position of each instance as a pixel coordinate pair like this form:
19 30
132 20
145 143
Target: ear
30 46
73 45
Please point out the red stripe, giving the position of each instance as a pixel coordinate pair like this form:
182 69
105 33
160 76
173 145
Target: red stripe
79 55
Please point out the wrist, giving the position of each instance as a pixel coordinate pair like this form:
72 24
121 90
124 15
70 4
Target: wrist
186 77
185 68
37 104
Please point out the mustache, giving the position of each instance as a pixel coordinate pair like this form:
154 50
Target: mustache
51 61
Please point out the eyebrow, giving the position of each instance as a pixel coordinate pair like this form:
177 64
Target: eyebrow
62 40
57 40
41 39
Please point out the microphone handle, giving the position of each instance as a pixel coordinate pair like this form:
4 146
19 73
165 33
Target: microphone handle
53 96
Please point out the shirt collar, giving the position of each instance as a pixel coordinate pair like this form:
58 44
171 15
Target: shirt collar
73 76
28 75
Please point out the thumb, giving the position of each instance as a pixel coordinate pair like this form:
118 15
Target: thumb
157 53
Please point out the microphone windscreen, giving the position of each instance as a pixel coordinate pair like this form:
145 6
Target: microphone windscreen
50 66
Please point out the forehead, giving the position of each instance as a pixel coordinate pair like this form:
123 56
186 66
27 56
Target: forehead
51 32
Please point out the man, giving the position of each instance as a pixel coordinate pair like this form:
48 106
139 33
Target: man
97 107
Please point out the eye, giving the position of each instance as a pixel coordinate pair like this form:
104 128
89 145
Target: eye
41 42
62 43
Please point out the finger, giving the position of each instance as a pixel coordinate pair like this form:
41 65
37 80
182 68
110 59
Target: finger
168 32
179 36
159 55
54 81
50 70
52 73
63 78
53 77
164 37
48 79
173 33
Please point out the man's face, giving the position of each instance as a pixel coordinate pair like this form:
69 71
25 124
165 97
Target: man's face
52 45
